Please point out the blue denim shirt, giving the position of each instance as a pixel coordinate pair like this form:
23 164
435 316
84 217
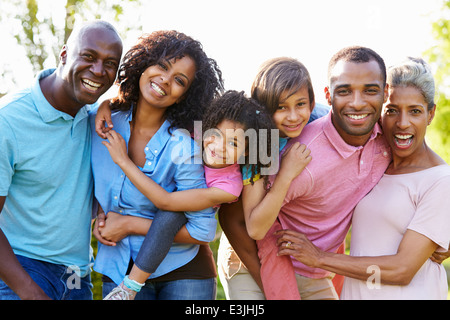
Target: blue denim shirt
170 163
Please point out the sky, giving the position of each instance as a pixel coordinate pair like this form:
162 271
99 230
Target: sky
241 34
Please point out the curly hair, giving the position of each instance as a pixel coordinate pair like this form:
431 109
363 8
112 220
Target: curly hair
237 107
166 45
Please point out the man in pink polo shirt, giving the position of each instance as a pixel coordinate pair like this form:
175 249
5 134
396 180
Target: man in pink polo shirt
349 156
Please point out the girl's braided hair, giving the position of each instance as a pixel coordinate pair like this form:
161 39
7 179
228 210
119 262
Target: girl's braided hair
166 45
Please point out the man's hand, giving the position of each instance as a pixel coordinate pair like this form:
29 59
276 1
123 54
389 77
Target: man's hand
103 115
439 257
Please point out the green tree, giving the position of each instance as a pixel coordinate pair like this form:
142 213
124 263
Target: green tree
439 56
42 32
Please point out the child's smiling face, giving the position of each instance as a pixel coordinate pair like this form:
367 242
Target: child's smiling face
293 113
224 145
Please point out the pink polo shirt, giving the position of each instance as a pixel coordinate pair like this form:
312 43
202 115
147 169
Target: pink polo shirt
320 201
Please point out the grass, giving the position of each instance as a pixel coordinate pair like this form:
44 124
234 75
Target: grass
446 265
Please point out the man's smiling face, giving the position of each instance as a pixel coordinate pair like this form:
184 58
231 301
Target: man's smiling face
356 94
90 64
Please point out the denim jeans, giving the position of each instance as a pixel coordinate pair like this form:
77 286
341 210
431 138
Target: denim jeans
184 289
58 282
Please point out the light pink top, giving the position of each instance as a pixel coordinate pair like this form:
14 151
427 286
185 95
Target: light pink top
229 179
320 201
417 201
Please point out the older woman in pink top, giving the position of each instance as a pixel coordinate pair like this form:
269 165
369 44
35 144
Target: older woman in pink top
405 218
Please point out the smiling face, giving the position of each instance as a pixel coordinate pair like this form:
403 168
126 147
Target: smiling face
89 64
356 94
293 113
224 145
165 83
405 120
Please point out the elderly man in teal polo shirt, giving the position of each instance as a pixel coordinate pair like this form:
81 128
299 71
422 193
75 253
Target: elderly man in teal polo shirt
46 187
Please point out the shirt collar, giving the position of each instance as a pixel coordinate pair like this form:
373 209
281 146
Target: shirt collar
47 112
344 149
283 143
159 139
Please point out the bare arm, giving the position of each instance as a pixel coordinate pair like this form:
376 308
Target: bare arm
12 273
186 200
397 269
260 208
232 221
117 227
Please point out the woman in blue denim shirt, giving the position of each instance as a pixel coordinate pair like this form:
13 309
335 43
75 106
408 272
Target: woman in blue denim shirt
165 82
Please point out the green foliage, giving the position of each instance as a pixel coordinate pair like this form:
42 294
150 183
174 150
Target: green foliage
439 57
32 38
42 33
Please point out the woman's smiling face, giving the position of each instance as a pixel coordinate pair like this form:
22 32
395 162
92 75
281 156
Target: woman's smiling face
165 83
405 119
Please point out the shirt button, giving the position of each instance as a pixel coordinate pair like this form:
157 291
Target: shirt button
146 148
385 154
156 151
115 197
149 163
362 162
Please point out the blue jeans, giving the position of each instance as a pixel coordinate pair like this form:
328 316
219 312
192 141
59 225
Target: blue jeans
184 289
58 282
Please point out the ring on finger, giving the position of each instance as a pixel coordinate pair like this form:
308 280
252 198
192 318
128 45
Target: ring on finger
288 244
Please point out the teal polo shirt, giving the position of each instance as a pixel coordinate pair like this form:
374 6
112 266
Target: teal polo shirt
46 176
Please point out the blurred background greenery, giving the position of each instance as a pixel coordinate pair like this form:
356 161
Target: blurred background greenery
39 28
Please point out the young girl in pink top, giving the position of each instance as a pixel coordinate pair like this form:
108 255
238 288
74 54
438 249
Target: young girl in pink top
225 148
284 86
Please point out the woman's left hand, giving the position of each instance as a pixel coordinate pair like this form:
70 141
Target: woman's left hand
296 244
114 229
98 225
